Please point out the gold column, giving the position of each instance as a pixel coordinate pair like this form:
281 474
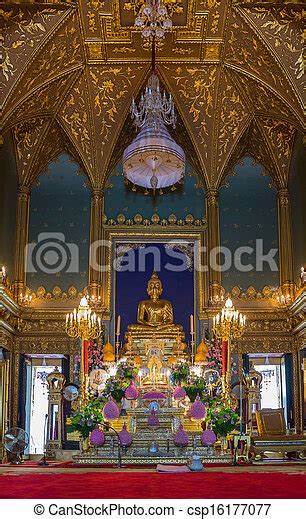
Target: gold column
96 235
21 238
285 242
14 389
296 391
213 239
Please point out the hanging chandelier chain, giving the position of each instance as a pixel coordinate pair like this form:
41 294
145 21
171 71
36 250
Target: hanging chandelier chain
154 107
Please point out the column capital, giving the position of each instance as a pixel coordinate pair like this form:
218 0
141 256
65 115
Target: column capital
23 192
97 196
283 196
212 197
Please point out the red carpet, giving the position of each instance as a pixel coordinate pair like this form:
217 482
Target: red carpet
97 485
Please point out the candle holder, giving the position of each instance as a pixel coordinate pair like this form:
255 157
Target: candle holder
117 346
192 344
228 325
86 325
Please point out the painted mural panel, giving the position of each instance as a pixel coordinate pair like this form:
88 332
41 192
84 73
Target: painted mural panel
59 227
248 218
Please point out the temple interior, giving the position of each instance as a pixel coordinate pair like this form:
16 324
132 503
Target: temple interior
152 237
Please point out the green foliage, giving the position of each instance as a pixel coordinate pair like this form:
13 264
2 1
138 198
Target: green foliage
223 420
84 419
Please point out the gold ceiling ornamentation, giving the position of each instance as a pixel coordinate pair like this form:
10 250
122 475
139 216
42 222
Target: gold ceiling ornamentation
75 115
23 32
253 48
172 6
255 58
234 117
282 29
260 99
45 100
27 136
280 137
58 55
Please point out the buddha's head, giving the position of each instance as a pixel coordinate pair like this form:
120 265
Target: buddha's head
155 287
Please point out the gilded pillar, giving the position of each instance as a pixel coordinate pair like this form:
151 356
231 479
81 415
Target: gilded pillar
213 242
97 251
21 238
14 390
285 242
297 391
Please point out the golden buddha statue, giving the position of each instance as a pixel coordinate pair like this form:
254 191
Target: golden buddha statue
155 315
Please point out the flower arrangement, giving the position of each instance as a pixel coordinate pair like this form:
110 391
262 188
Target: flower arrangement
214 355
87 417
180 372
95 355
115 387
223 420
126 370
194 385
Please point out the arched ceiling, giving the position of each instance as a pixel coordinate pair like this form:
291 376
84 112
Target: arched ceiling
70 68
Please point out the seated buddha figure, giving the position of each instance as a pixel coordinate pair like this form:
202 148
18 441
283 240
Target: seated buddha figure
154 314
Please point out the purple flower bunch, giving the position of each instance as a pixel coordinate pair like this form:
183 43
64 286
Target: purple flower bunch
214 355
95 356
126 370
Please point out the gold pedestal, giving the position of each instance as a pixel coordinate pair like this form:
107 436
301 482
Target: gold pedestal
170 332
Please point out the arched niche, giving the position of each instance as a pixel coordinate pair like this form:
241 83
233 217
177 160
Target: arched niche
59 227
248 218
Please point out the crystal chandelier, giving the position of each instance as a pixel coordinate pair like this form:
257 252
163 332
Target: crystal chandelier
153 19
154 107
153 160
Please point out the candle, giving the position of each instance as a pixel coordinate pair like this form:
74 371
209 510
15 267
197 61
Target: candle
224 357
85 346
191 324
67 318
118 325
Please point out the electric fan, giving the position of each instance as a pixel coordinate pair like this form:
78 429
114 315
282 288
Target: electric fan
15 441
